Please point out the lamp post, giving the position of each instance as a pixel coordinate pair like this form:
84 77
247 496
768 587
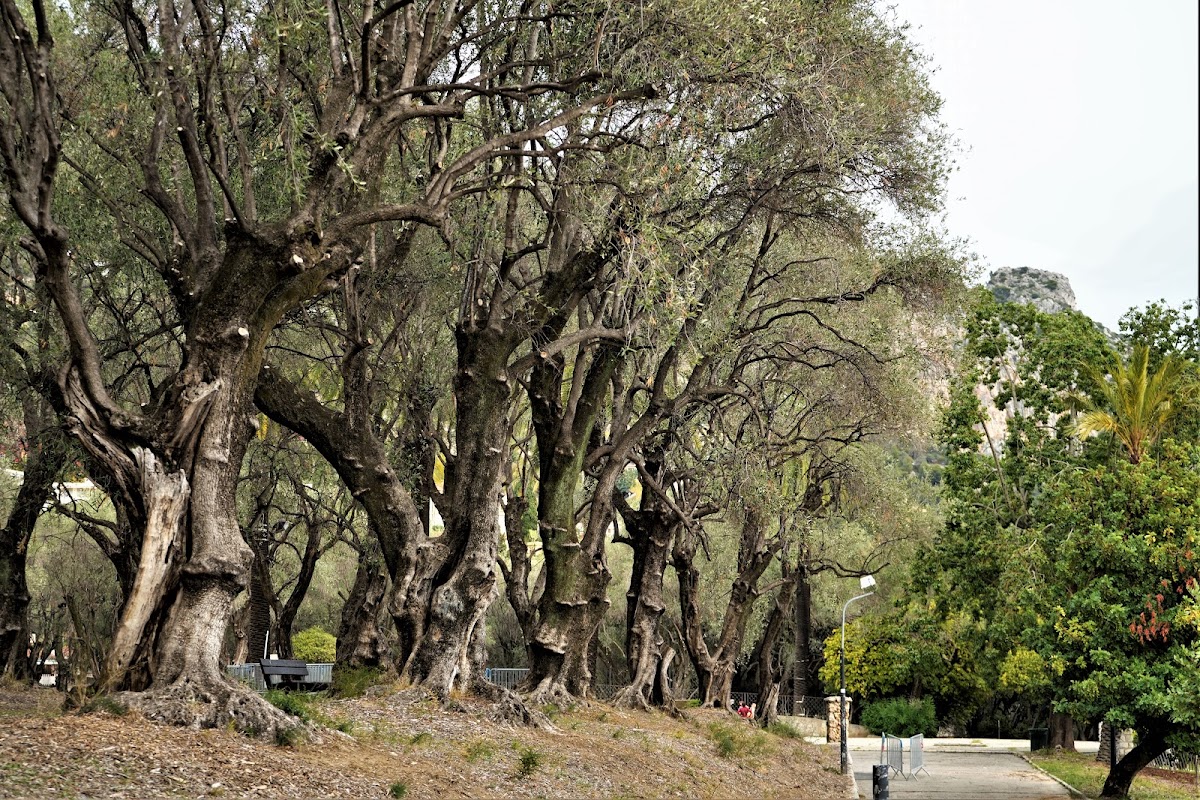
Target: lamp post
866 582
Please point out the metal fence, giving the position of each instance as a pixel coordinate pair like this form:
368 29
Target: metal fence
891 752
252 675
1179 761
508 677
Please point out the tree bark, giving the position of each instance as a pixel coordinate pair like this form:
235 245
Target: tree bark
1062 731
575 597
360 642
770 673
258 626
804 674
460 585
517 571
650 532
46 457
1152 742
715 667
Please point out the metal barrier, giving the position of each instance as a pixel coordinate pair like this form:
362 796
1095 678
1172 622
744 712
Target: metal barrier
891 752
809 707
916 755
1177 760
891 748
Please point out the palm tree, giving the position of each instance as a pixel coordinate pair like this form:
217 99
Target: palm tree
1135 406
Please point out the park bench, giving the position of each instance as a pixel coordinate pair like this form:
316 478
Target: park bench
284 673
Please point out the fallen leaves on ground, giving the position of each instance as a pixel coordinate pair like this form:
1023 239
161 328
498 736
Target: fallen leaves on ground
403 743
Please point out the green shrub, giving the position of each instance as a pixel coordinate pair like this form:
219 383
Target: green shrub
398 790
479 749
529 762
314 646
353 681
900 717
738 740
293 703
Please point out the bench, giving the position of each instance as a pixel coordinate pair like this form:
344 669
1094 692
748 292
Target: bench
284 673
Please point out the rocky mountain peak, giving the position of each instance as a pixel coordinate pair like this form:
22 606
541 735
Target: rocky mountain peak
1049 292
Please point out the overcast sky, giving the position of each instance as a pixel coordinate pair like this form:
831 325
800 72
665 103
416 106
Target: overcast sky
1078 122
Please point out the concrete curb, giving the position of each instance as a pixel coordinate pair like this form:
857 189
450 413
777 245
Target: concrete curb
1071 789
852 785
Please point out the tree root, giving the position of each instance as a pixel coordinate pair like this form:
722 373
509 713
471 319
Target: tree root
508 708
217 704
632 697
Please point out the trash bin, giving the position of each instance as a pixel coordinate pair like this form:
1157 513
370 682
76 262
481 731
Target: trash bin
879 782
1039 739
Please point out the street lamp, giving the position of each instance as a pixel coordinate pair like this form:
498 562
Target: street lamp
865 582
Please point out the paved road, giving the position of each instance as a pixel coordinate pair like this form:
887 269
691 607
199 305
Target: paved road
980 775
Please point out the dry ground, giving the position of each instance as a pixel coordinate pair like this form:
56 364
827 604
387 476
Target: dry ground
401 743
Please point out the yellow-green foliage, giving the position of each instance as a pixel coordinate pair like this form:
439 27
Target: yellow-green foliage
314 646
1022 670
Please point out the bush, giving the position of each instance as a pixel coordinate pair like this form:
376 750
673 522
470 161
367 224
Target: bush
739 739
900 717
314 646
354 681
295 704
529 761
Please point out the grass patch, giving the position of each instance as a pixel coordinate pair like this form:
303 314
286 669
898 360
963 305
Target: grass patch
1087 775
737 741
784 730
529 761
398 789
105 703
289 737
294 703
353 681
479 750
418 739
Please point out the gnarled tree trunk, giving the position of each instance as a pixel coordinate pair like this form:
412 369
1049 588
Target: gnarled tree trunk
46 456
1152 743
360 642
459 586
650 532
715 667
576 574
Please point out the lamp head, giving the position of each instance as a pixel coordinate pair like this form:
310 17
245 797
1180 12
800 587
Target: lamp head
866 582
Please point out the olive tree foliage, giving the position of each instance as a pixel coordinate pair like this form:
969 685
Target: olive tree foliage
237 155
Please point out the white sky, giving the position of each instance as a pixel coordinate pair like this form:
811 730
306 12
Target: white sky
1078 122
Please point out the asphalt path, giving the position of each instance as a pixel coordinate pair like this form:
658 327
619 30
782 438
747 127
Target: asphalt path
963 775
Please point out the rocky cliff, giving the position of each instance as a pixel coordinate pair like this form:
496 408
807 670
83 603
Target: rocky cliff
1049 292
